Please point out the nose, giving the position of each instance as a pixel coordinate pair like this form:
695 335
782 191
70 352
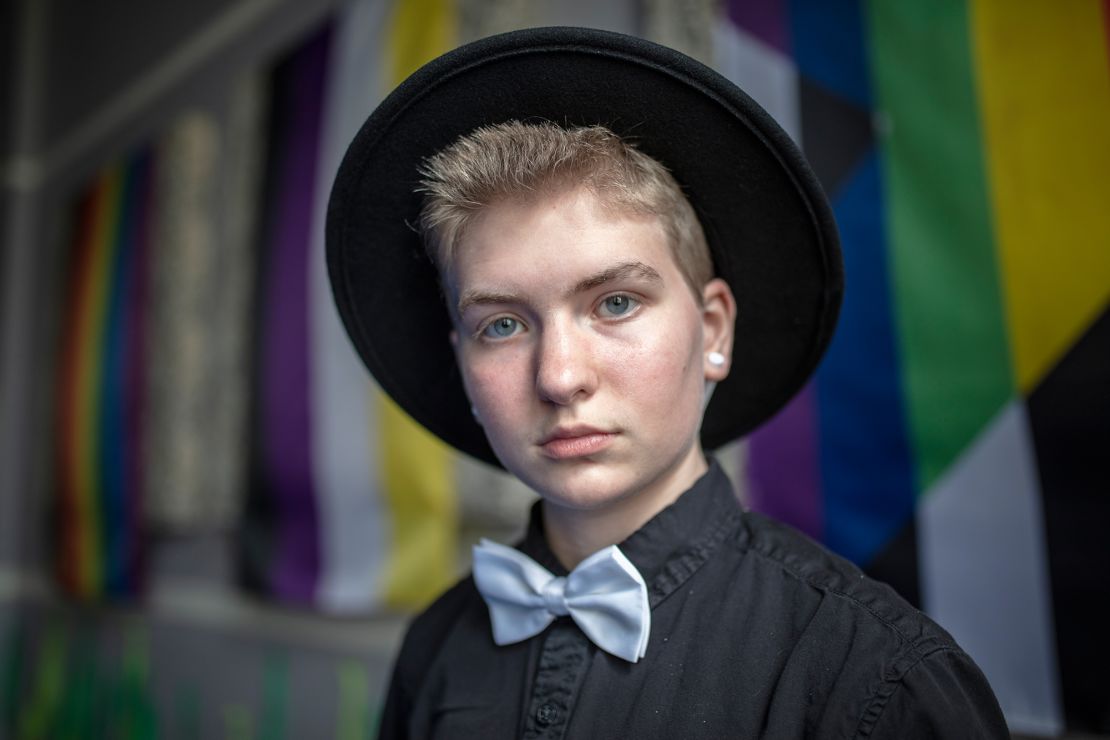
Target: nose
565 369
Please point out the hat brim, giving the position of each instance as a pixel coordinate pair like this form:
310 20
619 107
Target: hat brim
768 224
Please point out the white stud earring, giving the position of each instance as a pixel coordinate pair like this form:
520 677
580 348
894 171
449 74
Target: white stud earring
715 358
474 413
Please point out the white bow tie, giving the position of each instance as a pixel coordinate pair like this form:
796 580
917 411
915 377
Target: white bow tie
605 596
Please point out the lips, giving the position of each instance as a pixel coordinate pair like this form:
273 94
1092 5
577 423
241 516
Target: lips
577 441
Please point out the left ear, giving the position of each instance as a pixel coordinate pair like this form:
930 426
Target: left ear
718 317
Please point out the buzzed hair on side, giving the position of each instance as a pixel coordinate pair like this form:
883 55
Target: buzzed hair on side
516 159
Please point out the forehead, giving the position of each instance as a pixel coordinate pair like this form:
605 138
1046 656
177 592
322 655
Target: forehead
557 238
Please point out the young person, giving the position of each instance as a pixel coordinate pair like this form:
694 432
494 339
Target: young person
629 263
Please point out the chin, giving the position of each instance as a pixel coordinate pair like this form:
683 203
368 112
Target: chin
581 485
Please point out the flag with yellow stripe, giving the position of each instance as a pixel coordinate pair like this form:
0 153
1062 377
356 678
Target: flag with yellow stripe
953 439
352 506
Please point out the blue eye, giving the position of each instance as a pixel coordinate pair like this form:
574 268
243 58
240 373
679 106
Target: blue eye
617 305
501 327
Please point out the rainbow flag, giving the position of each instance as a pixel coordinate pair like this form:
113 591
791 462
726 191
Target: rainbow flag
143 389
100 387
953 441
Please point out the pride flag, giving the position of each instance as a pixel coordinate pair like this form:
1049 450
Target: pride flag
100 387
147 404
352 506
954 439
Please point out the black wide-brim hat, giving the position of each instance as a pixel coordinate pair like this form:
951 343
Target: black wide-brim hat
768 224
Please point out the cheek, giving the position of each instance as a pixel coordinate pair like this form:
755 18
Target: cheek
496 387
667 358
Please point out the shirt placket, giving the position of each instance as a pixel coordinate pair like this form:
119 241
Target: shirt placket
562 665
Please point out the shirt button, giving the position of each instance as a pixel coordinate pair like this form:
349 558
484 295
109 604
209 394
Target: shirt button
547 713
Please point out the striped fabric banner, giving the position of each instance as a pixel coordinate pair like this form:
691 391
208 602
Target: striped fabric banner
282 494
147 439
1048 173
100 383
352 505
952 439
353 515
385 488
417 469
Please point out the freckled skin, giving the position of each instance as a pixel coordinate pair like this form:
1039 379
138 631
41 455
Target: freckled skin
573 358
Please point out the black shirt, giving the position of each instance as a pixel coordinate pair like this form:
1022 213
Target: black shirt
756 632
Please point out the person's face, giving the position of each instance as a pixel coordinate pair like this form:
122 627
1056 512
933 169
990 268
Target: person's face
583 350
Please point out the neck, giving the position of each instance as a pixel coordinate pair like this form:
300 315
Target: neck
575 534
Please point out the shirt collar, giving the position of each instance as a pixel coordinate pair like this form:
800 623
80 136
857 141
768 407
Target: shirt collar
667 535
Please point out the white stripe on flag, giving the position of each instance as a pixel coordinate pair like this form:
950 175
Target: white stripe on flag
984 570
764 73
353 520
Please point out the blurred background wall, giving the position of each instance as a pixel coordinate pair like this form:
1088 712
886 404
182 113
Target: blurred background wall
213 525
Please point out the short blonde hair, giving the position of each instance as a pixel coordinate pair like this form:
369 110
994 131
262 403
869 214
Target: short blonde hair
515 159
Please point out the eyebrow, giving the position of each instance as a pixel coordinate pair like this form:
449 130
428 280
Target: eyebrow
622 271
481 297
618 272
